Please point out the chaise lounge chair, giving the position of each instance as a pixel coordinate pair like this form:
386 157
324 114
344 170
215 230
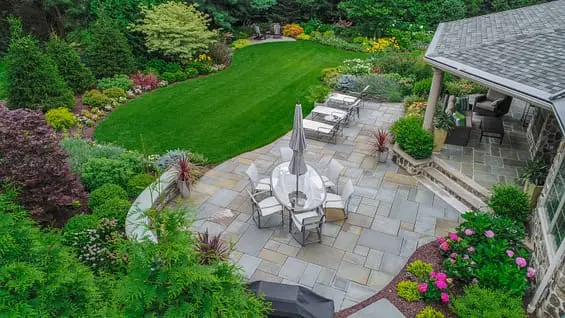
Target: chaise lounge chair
333 115
322 131
344 100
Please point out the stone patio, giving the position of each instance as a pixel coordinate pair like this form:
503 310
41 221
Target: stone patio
390 216
489 162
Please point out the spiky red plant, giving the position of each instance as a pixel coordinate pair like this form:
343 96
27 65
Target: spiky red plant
183 170
381 140
211 248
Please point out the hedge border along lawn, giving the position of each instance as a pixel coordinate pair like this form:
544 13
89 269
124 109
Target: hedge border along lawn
222 115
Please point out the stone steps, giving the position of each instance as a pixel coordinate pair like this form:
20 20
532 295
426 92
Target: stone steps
441 193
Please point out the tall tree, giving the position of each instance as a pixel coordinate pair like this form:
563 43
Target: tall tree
74 72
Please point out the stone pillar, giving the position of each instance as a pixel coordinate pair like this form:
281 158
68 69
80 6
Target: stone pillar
432 99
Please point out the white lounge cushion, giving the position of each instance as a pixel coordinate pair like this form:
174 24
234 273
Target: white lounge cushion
337 97
334 201
329 111
316 126
311 220
327 182
269 206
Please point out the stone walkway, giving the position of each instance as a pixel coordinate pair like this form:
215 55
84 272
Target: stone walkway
390 216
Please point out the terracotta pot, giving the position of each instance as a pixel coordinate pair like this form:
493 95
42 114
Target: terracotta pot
382 156
439 139
533 191
183 188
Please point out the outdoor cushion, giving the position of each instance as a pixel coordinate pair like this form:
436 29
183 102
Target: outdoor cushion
311 219
334 201
486 105
497 102
459 119
494 95
327 182
269 206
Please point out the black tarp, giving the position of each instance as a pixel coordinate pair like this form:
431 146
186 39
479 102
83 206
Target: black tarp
293 301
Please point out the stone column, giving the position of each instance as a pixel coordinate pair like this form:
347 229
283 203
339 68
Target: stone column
432 99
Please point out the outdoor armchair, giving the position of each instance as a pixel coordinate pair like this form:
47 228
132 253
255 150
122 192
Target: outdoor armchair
264 208
340 201
257 185
305 223
277 31
258 34
493 104
332 173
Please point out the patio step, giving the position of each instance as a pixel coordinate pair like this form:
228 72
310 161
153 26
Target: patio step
467 183
451 191
441 193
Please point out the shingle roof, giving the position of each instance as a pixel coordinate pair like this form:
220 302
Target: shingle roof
525 46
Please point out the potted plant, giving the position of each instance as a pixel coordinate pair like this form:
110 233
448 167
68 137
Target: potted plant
533 175
381 144
183 175
443 123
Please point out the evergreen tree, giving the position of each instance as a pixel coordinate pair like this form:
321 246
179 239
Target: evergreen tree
33 79
108 53
74 72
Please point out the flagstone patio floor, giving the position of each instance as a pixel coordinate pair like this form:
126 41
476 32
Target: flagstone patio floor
390 216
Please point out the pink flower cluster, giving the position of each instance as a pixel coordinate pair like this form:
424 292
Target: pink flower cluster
440 281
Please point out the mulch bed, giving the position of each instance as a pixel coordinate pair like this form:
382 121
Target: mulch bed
428 253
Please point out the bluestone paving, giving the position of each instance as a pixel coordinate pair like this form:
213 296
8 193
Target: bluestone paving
381 308
358 256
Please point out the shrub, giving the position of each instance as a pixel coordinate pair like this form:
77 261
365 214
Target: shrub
380 88
176 30
33 79
406 83
429 312
303 37
415 105
169 77
121 81
72 70
381 44
412 138
292 30
114 92
105 193
99 171
241 43
180 76
191 72
422 87
318 93
77 224
408 291
356 67
419 269
346 82
435 287
331 40
171 157
138 183
95 98
33 160
211 248
463 88
508 200
146 82
330 76
407 64
114 209
108 52
60 119
82 150
220 53
482 302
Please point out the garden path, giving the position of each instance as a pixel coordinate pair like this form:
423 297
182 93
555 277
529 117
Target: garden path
390 216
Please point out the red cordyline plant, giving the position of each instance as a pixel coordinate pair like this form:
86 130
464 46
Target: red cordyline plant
211 248
147 82
183 170
381 141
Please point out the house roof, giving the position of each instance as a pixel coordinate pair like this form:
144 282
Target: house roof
520 51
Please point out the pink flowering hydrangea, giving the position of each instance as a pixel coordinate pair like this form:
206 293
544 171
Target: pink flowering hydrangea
474 281
441 284
444 246
433 274
441 240
531 272
470 249
453 255
489 234
441 276
510 253
445 297
468 232
454 237
521 262
423 287
465 256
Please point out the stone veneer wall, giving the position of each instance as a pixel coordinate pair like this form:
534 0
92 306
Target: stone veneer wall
547 140
552 300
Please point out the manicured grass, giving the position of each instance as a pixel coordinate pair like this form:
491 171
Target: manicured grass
222 115
3 80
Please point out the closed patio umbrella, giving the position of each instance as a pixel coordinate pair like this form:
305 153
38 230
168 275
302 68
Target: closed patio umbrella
297 143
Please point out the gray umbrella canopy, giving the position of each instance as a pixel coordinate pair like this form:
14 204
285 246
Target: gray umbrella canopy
297 143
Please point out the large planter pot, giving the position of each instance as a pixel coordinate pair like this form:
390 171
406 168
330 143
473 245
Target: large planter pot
184 190
439 139
382 156
533 191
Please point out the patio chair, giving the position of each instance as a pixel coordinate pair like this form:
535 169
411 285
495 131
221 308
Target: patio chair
264 208
493 104
322 131
305 223
257 185
340 201
344 100
277 31
258 34
333 115
331 176
286 154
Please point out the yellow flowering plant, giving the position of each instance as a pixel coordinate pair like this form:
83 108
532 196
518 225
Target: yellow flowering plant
381 44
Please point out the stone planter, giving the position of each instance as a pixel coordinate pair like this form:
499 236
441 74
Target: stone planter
533 191
408 163
184 190
382 156
440 135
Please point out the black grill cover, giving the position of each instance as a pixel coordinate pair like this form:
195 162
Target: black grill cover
293 301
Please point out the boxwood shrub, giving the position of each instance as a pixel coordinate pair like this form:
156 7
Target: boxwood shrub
412 138
99 171
105 193
115 208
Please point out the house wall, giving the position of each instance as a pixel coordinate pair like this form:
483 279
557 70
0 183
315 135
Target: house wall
543 133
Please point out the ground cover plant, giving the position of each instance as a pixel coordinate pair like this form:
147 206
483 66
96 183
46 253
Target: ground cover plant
3 80
240 115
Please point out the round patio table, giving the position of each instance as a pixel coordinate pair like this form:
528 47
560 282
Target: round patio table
312 191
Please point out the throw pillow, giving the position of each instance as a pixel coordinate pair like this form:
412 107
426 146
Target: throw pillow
497 102
459 119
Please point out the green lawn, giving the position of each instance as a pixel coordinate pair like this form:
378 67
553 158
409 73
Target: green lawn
222 115
3 79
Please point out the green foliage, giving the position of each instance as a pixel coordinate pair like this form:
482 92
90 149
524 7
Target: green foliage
508 200
462 87
108 53
405 63
40 277
169 77
419 269
443 120
60 119
482 302
105 193
138 183
329 39
99 171
118 80
381 88
114 209
422 87
77 76
33 79
176 30
412 138
241 43
535 171
82 150
408 291
95 98
303 37
329 76
3 80
430 312
318 94
77 224
405 83
114 92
